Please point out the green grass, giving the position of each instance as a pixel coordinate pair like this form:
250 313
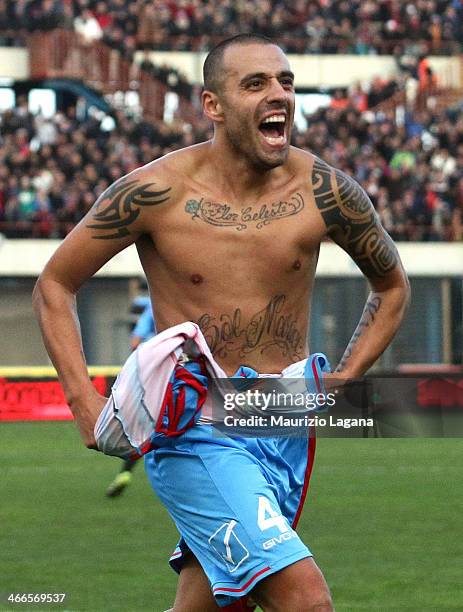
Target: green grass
383 518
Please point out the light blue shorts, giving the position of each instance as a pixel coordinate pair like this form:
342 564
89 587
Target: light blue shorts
235 502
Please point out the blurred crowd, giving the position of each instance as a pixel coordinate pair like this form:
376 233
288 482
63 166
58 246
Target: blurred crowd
52 170
412 170
318 26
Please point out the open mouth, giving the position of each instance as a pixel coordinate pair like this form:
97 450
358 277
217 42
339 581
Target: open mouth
273 130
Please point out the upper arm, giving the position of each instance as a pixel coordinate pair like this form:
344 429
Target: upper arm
116 220
353 223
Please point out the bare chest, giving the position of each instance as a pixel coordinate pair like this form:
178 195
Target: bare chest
275 235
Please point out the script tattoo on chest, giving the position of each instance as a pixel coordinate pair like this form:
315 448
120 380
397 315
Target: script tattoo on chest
223 215
352 221
268 328
118 207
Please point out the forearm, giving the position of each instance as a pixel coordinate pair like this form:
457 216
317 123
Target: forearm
55 308
380 320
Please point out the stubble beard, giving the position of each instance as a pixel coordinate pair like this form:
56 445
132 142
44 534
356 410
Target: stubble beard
248 148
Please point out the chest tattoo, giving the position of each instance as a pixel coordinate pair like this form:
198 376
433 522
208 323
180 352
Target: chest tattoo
258 216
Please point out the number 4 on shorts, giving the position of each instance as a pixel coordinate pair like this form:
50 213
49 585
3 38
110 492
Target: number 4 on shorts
267 517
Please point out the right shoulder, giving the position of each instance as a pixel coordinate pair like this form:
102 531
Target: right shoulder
124 212
180 164
121 209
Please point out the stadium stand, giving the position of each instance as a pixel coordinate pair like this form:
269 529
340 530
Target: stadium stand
52 170
322 26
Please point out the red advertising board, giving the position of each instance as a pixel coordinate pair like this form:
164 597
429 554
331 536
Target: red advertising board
36 395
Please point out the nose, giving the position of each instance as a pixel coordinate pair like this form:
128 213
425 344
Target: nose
276 92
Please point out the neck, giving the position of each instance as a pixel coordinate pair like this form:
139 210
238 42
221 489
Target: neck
234 174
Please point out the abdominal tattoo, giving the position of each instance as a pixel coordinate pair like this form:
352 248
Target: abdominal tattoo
268 328
223 215
352 221
368 317
118 207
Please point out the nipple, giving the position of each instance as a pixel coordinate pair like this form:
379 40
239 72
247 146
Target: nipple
196 279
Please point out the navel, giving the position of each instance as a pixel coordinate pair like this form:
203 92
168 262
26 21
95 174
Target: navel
297 265
196 279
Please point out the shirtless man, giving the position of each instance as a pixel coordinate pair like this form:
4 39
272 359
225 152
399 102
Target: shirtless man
228 233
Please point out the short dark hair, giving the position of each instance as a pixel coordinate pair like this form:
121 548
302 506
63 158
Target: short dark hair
213 65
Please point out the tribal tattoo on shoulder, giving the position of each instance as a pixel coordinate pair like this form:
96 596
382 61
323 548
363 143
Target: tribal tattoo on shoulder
352 220
118 207
223 215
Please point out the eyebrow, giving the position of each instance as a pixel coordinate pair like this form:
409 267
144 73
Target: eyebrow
264 75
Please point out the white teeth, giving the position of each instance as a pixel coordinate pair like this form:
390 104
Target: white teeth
275 140
275 119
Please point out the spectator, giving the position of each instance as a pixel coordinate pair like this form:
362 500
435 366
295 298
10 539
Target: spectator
49 15
148 25
339 100
26 199
444 162
358 98
5 34
103 15
87 27
53 169
441 220
321 26
46 130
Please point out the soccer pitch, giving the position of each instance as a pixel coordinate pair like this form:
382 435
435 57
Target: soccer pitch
383 518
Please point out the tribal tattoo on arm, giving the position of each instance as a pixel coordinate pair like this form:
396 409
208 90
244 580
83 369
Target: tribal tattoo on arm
119 206
368 317
352 222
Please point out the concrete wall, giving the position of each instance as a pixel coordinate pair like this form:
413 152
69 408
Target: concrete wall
320 71
28 257
103 312
14 63
431 333
310 70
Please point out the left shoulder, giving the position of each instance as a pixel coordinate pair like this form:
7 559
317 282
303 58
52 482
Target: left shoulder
351 219
338 196
301 160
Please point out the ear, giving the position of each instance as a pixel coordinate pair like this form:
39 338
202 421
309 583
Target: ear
211 106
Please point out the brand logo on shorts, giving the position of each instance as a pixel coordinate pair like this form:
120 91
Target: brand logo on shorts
289 535
269 518
228 546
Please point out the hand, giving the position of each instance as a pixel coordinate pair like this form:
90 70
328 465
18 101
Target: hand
135 342
86 411
334 382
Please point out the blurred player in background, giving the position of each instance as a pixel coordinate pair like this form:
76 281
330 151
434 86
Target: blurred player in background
144 329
